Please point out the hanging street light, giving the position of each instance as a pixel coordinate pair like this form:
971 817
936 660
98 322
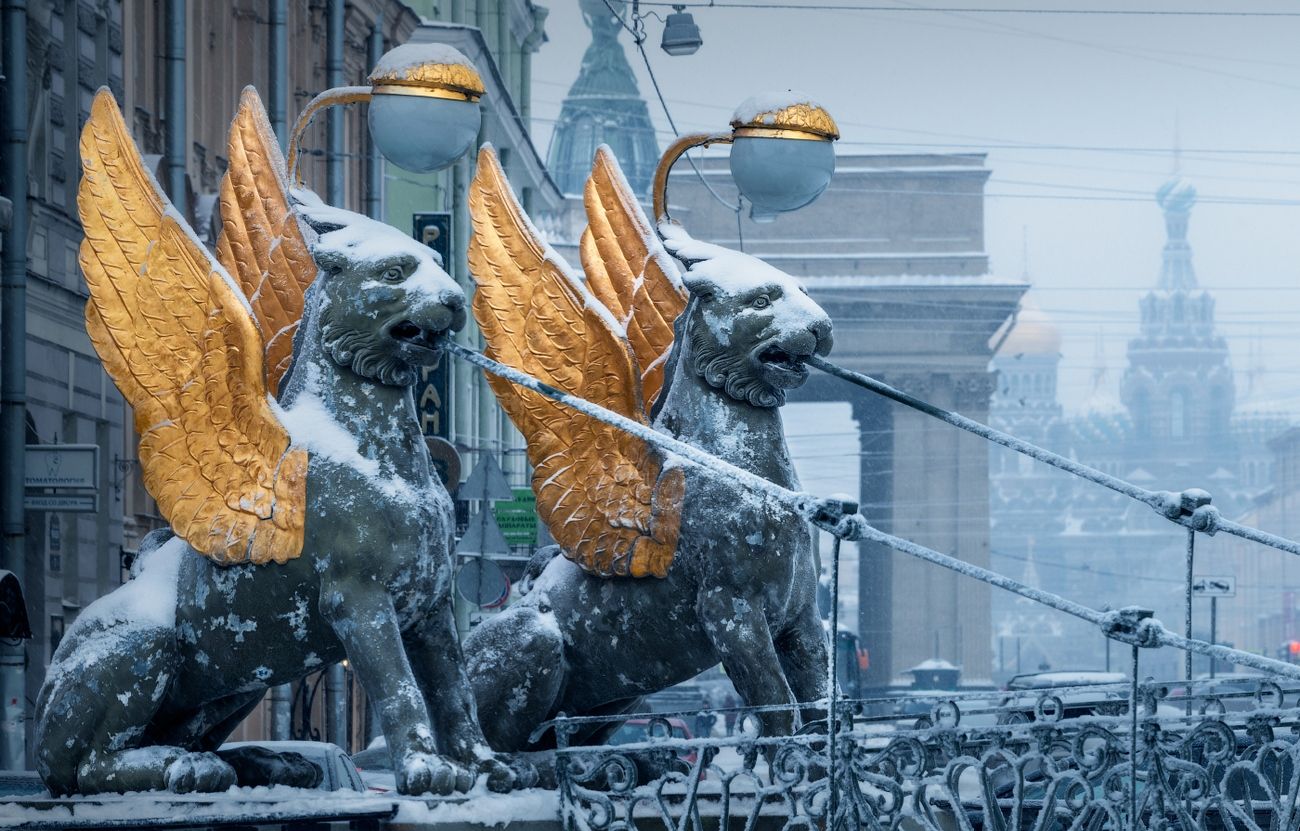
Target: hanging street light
681 35
424 111
782 156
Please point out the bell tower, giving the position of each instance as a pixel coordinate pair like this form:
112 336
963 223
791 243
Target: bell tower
1178 387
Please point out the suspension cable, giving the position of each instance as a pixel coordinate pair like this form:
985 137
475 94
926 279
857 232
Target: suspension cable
1131 625
1190 508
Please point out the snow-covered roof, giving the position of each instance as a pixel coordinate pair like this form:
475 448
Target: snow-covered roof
857 281
932 664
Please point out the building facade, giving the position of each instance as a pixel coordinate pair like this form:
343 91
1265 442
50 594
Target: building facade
78 46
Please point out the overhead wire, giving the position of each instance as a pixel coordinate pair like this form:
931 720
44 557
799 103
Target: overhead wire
745 4
637 30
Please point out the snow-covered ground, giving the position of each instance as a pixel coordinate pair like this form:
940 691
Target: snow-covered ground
273 806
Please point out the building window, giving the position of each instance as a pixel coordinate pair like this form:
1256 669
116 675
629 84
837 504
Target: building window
56 632
1178 415
54 543
1142 414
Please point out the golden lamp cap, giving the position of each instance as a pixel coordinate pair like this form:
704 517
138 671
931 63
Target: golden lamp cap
784 115
430 69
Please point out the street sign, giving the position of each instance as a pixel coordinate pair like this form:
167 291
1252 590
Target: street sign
433 392
487 481
446 461
73 503
62 466
518 517
1214 586
431 395
482 536
482 582
434 230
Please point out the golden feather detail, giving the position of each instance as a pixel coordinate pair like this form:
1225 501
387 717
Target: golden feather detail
629 271
602 493
174 333
261 244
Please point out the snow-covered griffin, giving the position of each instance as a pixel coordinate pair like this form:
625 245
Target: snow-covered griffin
331 482
728 575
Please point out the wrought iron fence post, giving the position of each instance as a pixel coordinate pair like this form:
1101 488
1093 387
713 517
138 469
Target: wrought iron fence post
567 820
1133 744
1187 614
832 785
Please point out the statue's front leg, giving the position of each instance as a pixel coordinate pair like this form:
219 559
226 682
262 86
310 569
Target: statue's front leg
739 632
362 616
804 655
439 668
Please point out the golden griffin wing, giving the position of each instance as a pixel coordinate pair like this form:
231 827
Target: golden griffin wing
261 244
628 269
601 492
177 337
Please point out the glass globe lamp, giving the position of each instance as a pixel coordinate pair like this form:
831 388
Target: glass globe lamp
424 112
782 154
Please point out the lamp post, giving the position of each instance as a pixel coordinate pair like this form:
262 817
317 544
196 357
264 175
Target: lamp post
423 116
424 110
782 156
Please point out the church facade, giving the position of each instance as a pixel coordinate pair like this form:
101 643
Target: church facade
1176 423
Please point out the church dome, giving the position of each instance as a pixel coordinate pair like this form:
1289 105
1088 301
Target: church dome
1176 195
1034 334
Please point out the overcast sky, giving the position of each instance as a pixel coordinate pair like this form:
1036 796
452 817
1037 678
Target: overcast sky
1067 83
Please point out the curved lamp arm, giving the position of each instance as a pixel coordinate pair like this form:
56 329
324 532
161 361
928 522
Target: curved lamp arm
669 158
328 98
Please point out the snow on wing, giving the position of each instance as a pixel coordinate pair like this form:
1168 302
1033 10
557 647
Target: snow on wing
261 244
601 492
177 337
628 269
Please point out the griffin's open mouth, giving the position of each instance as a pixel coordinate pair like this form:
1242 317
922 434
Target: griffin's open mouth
774 357
410 334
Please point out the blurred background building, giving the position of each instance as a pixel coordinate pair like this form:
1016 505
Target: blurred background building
1178 422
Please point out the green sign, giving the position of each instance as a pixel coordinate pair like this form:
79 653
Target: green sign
518 517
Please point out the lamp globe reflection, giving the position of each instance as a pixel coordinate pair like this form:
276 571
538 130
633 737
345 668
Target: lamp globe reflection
424 112
681 35
782 154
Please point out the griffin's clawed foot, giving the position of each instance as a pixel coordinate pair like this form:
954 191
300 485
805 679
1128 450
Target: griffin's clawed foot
199 772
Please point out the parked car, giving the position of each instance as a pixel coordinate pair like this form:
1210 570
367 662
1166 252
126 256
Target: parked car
1080 693
638 730
338 773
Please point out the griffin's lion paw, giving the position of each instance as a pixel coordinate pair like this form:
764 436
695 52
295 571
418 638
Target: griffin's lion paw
428 773
505 775
199 772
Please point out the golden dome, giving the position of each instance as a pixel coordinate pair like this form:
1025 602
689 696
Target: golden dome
1034 334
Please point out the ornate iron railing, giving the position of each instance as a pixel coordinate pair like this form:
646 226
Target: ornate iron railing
1068 758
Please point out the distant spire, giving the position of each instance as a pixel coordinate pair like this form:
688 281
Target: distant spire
1101 399
1176 198
603 106
1178 147
1024 253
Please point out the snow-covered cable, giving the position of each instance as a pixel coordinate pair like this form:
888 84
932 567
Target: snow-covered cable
1120 625
803 503
1169 505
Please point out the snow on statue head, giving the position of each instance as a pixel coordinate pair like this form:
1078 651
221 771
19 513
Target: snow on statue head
749 328
383 299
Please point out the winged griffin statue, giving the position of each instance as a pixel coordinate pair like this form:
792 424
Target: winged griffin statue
271 387
666 570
